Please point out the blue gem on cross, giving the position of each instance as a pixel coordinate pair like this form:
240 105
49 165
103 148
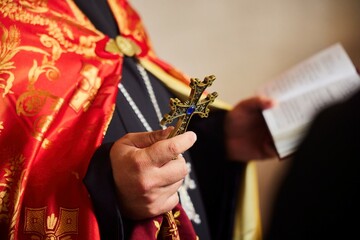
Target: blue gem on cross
190 110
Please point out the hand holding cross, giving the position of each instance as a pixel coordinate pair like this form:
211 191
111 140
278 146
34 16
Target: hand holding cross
184 111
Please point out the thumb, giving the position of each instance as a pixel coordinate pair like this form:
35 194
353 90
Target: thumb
149 138
265 102
258 103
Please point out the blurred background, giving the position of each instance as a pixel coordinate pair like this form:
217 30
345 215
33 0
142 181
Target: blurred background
247 42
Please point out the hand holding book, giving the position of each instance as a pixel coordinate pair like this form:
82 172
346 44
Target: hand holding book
303 90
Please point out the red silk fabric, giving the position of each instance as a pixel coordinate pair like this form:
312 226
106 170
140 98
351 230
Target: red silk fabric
57 94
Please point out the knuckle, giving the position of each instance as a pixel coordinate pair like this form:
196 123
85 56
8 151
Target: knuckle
136 164
128 136
173 201
153 152
150 199
184 170
158 207
145 186
153 210
153 137
167 206
173 148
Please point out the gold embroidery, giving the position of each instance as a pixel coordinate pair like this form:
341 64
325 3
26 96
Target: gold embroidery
8 48
34 220
4 202
46 143
108 118
12 179
54 45
51 221
171 229
31 103
61 227
158 226
168 229
70 221
57 26
41 125
1 128
39 105
88 88
35 5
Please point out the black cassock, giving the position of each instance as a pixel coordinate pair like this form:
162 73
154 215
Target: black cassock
319 197
216 179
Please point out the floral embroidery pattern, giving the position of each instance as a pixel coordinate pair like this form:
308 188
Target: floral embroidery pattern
10 185
4 201
8 48
27 12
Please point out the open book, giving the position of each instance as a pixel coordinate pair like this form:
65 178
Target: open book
303 90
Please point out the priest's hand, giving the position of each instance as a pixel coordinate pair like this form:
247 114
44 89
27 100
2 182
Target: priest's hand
246 135
148 170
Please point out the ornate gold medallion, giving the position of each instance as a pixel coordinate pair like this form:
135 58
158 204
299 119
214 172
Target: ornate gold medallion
123 46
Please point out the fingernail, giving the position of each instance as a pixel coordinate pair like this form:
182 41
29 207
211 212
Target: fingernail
194 136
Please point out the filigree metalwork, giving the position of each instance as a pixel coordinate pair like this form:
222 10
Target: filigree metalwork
183 111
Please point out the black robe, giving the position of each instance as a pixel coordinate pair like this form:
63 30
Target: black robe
319 198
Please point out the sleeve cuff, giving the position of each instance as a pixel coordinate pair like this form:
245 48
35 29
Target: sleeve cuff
101 187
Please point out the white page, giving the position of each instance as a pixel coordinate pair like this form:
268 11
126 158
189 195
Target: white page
300 110
328 65
304 90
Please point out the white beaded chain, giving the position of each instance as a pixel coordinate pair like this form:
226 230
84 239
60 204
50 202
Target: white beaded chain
188 182
134 107
150 90
153 99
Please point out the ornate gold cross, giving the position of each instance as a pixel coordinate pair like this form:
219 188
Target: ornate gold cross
193 105
184 111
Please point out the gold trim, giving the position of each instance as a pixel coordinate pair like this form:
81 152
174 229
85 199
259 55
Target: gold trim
120 15
247 224
179 88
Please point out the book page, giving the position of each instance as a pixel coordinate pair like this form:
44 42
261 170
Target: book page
323 68
288 115
303 91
